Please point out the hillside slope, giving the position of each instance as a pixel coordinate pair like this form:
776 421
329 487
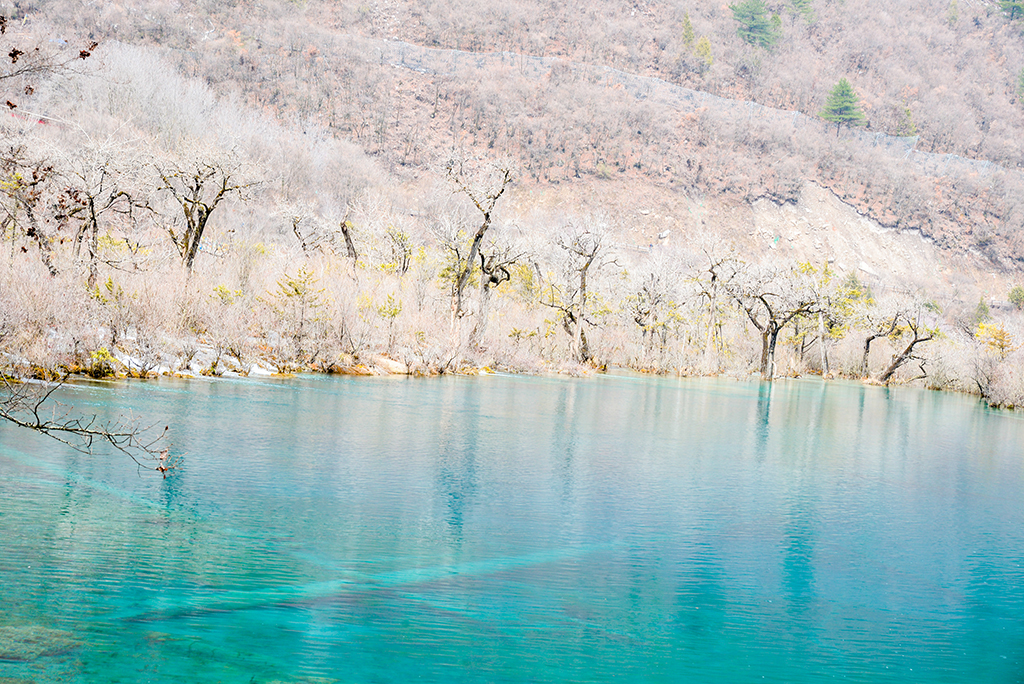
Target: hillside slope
603 90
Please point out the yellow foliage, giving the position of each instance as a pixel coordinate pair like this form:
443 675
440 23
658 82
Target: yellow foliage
390 308
995 337
225 295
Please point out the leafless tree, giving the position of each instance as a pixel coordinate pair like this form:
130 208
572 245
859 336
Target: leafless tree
315 232
718 271
98 181
586 250
912 329
25 63
198 186
879 320
32 406
24 182
653 303
771 297
484 191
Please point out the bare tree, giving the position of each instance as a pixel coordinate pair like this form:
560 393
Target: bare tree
198 187
586 252
911 330
24 63
879 321
718 271
653 304
771 297
32 406
484 192
494 270
23 182
316 234
98 181
833 310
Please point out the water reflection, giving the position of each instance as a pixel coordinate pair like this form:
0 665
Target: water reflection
525 529
458 436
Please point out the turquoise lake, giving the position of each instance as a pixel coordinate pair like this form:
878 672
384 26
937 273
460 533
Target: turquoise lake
518 529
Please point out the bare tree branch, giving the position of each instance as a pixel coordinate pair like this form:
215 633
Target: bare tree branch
31 406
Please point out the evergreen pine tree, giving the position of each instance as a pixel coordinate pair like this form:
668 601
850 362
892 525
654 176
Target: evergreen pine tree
1015 8
1017 297
804 9
688 36
906 126
843 106
704 53
755 26
981 313
952 13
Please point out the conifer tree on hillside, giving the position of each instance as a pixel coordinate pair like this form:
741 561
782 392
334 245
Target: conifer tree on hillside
1014 8
843 106
1016 297
704 53
755 26
804 9
688 35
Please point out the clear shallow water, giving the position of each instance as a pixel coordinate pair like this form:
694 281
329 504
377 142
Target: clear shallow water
524 530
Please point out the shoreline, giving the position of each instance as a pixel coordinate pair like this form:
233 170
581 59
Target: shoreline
382 366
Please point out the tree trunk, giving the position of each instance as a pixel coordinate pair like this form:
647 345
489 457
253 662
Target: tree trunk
579 341
867 345
467 267
769 337
902 358
94 244
867 350
584 346
194 237
710 341
477 336
350 246
825 370
864 358
45 246
94 250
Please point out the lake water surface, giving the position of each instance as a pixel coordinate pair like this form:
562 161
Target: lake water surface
507 529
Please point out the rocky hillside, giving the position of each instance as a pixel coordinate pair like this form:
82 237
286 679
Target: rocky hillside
660 95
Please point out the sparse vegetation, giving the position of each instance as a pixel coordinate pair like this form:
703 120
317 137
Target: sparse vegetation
360 248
